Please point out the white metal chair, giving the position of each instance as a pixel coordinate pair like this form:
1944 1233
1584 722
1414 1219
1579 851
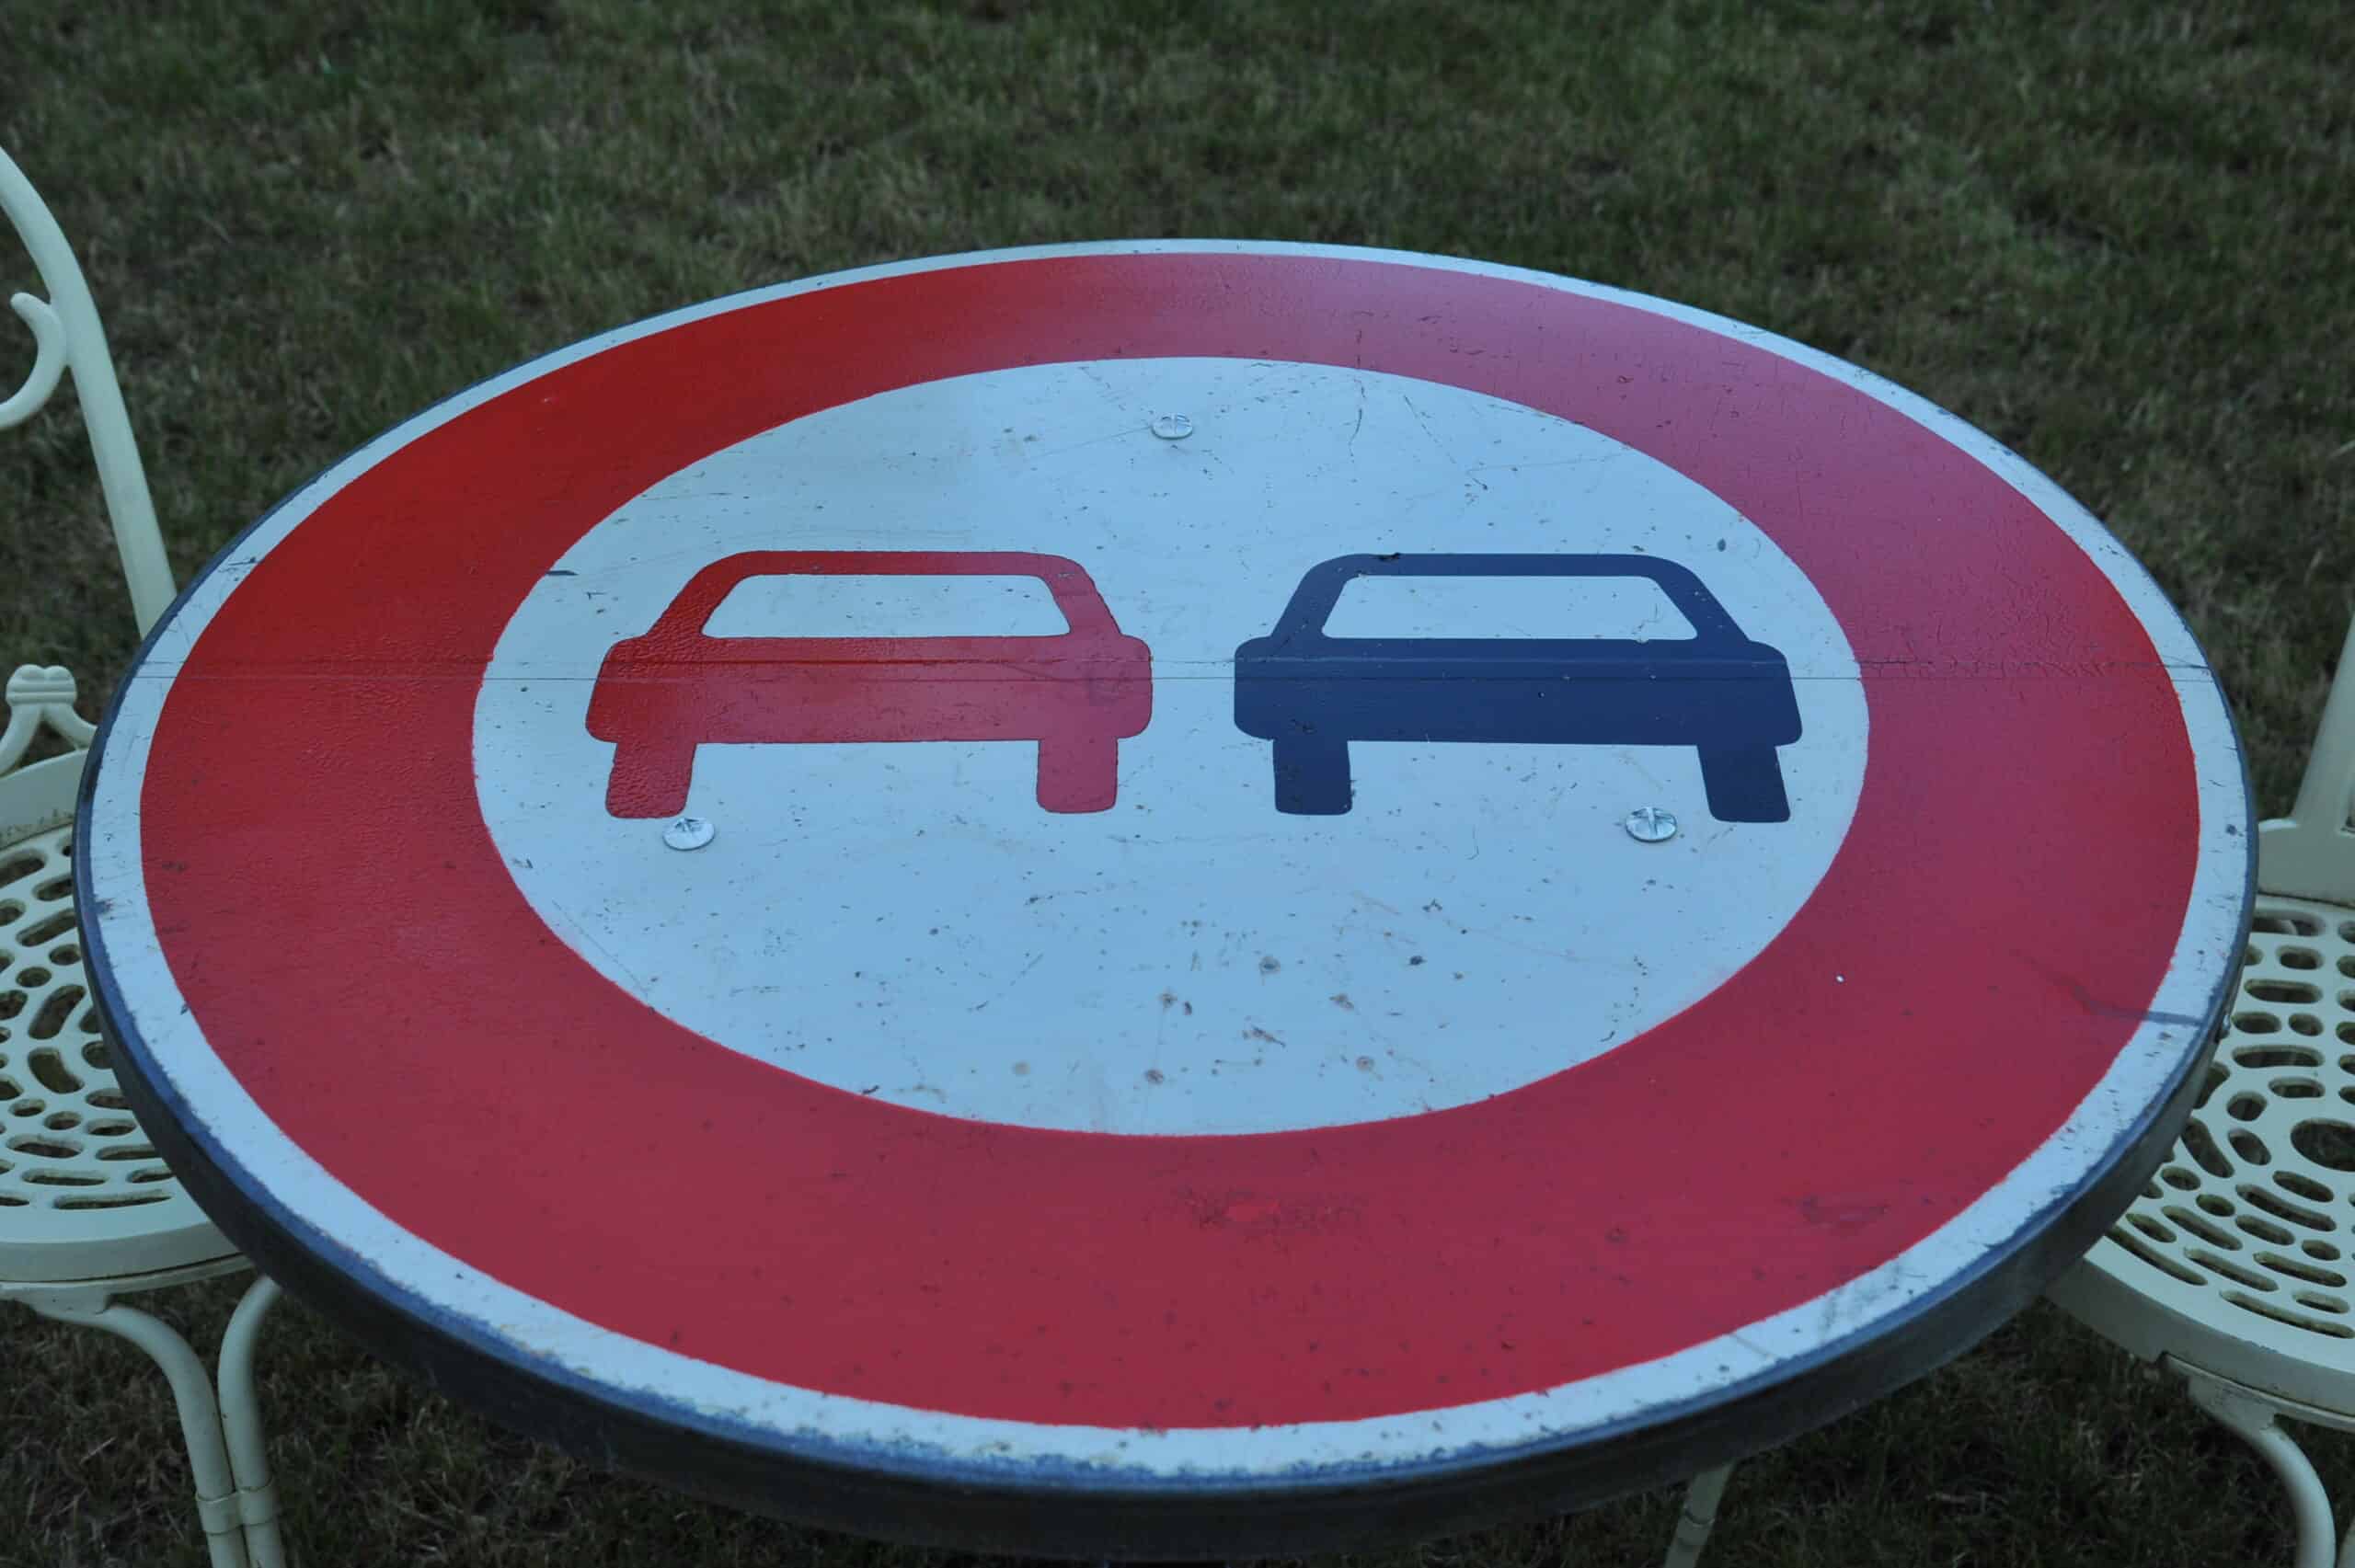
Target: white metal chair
88 1213
2233 1268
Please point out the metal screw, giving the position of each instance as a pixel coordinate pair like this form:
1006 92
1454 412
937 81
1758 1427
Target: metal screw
688 833
1172 427
1651 825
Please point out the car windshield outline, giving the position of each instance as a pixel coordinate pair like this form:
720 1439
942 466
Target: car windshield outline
1076 692
1718 691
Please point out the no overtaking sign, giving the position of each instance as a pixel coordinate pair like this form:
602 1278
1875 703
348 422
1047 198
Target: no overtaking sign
1168 996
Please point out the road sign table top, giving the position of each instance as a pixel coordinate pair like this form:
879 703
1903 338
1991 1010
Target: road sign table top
1168 898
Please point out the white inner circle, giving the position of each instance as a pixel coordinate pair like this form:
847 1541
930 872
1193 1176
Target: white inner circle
905 920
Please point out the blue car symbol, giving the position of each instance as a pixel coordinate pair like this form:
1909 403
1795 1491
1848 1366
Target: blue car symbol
1718 691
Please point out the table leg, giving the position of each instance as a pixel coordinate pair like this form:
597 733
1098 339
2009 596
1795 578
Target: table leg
1700 1514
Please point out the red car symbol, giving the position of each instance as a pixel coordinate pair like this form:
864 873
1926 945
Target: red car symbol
1078 694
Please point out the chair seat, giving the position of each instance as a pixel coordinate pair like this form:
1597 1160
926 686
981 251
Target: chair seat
2237 1258
83 1195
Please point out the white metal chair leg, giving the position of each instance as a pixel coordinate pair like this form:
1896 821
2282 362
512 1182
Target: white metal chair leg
2260 1424
208 1456
241 1424
1700 1515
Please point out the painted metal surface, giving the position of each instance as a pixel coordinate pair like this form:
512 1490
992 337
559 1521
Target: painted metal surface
2231 1266
1078 692
959 1118
67 337
1185 955
1310 693
2311 854
2233 1260
82 1195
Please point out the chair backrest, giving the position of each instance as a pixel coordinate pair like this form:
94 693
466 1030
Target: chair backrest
2311 853
39 795
66 336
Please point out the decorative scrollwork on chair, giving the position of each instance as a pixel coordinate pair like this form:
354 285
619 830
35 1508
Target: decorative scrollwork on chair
49 361
66 336
88 1210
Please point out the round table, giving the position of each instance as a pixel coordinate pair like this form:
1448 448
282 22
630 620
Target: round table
1171 898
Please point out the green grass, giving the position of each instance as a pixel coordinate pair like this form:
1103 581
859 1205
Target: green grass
2118 238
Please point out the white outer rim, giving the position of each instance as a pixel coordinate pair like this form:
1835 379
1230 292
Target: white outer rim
523 1331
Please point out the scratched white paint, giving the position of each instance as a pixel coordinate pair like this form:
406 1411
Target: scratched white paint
476 1306
1503 609
852 605
905 920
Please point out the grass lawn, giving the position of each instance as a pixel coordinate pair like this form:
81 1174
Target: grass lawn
2119 237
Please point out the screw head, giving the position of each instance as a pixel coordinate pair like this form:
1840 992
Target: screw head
688 833
1651 825
1172 427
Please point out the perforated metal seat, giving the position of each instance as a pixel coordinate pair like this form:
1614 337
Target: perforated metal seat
2235 1268
85 1195
88 1213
